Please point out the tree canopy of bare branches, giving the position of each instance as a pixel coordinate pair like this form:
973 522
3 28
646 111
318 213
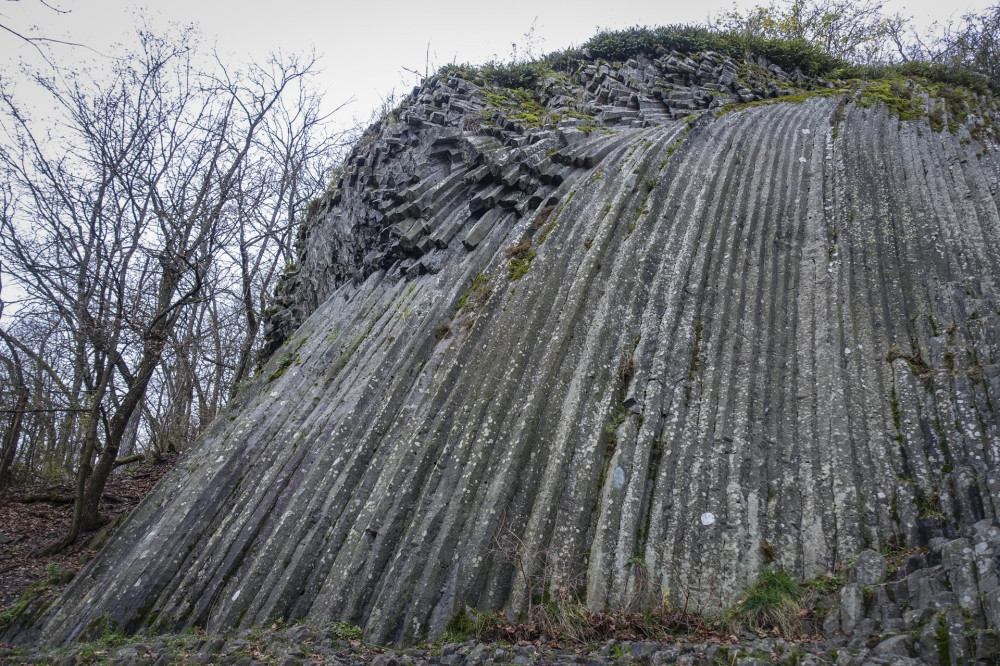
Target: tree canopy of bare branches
860 32
142 220
973 43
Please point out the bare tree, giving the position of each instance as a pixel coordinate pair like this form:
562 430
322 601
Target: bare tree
40 42
973 44
858 32
15 415
36 403
115 217
271 203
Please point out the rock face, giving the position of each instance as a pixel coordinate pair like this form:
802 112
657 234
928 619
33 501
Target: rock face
940 607
651 344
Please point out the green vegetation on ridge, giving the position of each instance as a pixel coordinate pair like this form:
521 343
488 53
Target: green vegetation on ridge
838 39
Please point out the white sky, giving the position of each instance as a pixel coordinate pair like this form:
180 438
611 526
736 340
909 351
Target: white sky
366 46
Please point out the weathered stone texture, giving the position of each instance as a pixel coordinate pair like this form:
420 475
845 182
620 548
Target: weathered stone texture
775 326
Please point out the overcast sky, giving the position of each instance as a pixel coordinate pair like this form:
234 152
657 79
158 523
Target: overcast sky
366 47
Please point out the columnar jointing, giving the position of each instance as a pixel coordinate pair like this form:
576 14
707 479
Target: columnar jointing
651 350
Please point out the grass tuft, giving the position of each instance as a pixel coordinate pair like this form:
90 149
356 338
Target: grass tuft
771 603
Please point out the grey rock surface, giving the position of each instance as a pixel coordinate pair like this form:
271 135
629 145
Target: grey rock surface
655 332
928 610
869 569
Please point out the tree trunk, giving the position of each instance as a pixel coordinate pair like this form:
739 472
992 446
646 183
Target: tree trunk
12 437
253 325
89 516
13 434
83 474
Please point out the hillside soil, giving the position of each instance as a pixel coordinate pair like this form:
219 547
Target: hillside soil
32 516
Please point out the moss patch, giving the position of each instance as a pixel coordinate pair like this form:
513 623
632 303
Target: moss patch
286 362
942 641
519 267
897 95
479 292
55 575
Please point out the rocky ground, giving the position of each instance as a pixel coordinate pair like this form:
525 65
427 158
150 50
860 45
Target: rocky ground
303 645
912 607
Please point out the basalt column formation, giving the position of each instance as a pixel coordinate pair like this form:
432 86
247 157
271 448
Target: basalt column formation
656 322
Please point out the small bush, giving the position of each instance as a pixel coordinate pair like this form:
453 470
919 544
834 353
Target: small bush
468 623
565 618
825 584
460 628
519 251
897 98
626 371
543 216
620 45
942 640
514 74
934 72
520 256
346 631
